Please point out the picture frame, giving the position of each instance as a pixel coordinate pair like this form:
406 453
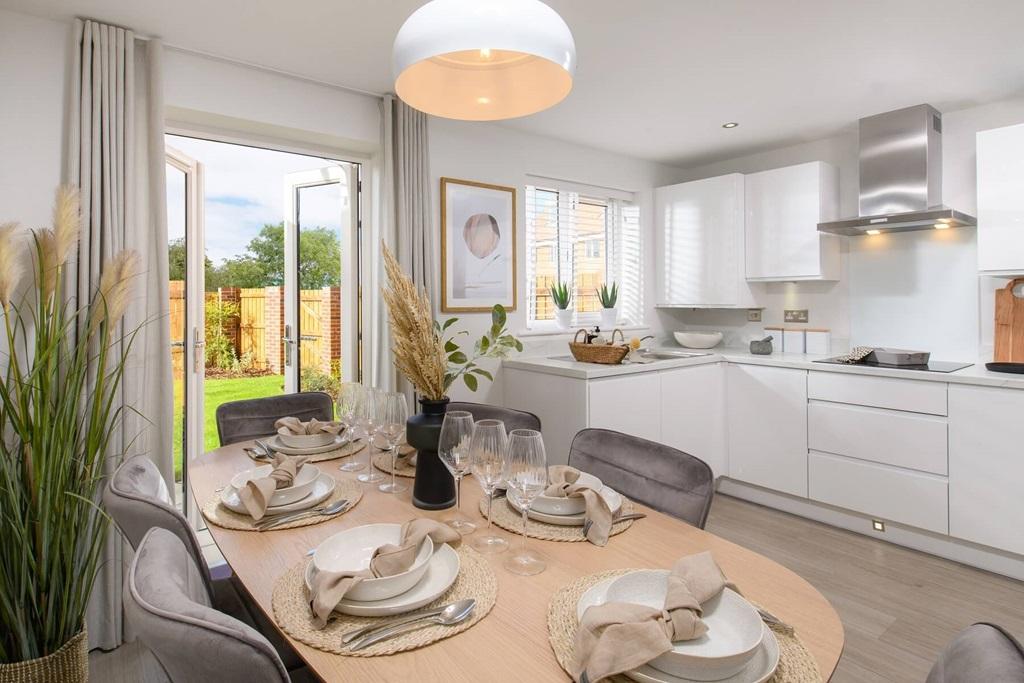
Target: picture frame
478 246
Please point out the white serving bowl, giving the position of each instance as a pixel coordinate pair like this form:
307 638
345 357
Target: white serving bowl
553 505
304 440
352 550
734 631
698 340
305 478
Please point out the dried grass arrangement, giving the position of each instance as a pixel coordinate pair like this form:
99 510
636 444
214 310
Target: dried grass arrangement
427 358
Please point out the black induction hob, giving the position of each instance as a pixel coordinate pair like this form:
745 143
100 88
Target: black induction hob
931 366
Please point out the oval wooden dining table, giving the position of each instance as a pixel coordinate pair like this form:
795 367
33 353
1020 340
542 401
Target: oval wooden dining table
511 643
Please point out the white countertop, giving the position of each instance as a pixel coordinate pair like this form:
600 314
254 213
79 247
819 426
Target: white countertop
975 374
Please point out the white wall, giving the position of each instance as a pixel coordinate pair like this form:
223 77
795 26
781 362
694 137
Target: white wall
33 64
916 290
502 156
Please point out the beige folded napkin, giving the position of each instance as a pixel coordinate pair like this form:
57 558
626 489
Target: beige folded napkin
564 484
617 637
256 493
296 427
330 587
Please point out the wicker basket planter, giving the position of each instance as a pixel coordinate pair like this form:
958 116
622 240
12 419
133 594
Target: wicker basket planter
606 354
69 664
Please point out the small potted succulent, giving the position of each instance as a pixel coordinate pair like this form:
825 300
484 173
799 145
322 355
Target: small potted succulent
609 297
561 295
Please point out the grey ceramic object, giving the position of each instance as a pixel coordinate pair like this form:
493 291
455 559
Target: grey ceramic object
762 347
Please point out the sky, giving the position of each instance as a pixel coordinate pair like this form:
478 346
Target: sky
245 188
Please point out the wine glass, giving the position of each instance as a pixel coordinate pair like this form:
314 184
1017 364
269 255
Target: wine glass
367 425
454 448
487 462
526 476
392 427
350 397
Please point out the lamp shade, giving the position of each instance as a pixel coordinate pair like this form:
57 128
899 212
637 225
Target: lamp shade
483 60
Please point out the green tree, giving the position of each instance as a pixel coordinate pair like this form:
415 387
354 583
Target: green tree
177 264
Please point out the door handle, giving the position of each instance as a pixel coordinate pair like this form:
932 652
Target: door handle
289 342
198 347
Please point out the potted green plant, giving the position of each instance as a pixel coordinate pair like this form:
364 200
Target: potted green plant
561 295
429 356
609 298
62 365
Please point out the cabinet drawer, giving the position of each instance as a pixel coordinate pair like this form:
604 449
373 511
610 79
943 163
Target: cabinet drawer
917 442
913 498
913 395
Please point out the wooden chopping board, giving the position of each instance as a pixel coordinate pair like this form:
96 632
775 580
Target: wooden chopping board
1009 332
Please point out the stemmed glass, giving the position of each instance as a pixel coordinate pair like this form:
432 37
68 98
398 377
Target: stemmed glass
392 427
487 462
350 396
454 449
367 425
526 476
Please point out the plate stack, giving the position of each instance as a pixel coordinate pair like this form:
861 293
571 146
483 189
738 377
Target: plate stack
737 648
432 572
306 444
311 487
568 511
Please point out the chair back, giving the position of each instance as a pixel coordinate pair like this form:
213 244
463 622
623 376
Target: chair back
255 417
651 473
513 419
980 652
168 607
136 497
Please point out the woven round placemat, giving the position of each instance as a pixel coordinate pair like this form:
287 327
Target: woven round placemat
291 610
351 448
215 513
510 520
796 664
382 461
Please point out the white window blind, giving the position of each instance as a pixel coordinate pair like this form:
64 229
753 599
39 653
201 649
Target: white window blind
585 241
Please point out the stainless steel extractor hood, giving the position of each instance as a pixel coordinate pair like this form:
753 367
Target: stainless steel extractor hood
900 176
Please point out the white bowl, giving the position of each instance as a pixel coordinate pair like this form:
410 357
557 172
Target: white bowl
305 440
698 340
552 505
352 550
305 478
734 631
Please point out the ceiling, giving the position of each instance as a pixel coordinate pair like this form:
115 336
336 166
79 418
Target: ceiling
656 78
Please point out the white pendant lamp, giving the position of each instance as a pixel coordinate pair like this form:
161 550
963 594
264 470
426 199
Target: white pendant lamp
483 60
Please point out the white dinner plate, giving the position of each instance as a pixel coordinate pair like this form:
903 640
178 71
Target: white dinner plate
442 570
322 490
758 670
278 445
610 495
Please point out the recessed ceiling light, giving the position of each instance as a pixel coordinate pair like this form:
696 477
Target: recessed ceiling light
941 226
731 124
874 232
483 100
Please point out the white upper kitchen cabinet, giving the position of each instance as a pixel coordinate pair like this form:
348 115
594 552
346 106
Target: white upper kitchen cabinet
1000 209
986 466
767 426
699 238
783 208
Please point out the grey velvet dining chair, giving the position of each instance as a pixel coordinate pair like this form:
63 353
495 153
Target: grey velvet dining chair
255 417
168 607
513 419
137 499
659 476
981 653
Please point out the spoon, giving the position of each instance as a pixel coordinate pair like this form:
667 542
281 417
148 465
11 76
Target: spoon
334 508
453 614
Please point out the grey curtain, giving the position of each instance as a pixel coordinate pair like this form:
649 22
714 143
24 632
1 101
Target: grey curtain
407 224
115 155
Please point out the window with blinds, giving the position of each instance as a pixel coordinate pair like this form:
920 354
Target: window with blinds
586 242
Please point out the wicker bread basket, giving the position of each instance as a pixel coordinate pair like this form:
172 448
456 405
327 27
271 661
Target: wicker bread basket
607 354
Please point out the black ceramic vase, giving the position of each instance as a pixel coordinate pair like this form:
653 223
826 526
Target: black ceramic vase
434 488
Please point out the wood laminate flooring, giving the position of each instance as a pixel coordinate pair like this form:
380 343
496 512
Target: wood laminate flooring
899 607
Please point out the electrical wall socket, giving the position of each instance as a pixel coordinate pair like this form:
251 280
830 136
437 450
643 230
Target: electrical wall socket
753 315
795 315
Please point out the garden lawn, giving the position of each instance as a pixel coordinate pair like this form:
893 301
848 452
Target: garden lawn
216 392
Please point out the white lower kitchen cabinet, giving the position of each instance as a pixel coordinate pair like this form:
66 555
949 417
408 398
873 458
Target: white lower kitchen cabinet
986 466
693 413
630 404
767 427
